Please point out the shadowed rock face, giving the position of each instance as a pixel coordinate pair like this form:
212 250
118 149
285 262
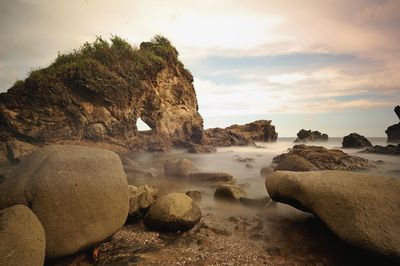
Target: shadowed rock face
355 140
310 136
96 95
393 132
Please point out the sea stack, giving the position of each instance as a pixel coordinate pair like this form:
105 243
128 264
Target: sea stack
393 132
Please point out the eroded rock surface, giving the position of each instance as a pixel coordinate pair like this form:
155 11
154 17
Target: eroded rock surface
310 136
319 158
361 209
140 200
96 95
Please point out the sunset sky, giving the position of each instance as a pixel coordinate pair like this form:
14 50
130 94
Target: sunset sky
332 66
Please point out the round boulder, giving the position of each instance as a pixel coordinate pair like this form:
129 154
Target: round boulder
173 212
229 193
23 241
292 162
355 140
79 194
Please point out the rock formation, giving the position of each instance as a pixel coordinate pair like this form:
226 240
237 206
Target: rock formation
310 158
393 132
79 194
96 94
355 140
239 135
310 136
361 209
388 149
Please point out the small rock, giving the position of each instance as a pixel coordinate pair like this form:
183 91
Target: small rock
210 177
194 194
23 241
257 203
173 212
310 136
140 199
229 193
179 168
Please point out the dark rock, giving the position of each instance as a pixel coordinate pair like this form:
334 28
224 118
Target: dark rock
173 212
90 99
389 149
397 111
210 177
196 148
140 200
355 140
310 136
229 193
239 135
361 209
256 203
322 158
194 194
393 133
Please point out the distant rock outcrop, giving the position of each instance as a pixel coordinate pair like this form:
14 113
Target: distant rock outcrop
355 140
393 132
319 158
310 136
96 94
388 149
239 135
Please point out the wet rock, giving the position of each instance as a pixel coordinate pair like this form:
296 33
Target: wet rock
257 203
229 193
393 132
210 177
310 136
195 148
194 194
355 140
325 159
173 212
79 194
361 209
23 241
266 171
178 168
388 149
239 135
140 200
293 162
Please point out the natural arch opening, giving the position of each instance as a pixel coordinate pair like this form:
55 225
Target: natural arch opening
142 126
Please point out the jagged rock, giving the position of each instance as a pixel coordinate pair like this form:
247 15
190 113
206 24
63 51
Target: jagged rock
173 212
96 95
140 200
322 158
239 135
393 132
195 148
79 194
210 177
310 136
23 241
388 149
194 194
361 209
355 140
293 162
179 168
229 193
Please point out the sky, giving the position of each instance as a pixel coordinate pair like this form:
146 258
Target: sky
332 66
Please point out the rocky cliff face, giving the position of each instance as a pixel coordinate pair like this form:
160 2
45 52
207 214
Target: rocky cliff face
96 94
393 132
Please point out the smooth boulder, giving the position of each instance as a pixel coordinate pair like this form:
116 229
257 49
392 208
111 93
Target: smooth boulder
79 194
361 209
355 140
228 192
23 241
173 212
293 162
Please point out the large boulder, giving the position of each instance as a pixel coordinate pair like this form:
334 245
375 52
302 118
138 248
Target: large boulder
361 209
322 158
173 212
355 140
393 132
311 136
293 162
79 194
23 241
178 168
140 200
